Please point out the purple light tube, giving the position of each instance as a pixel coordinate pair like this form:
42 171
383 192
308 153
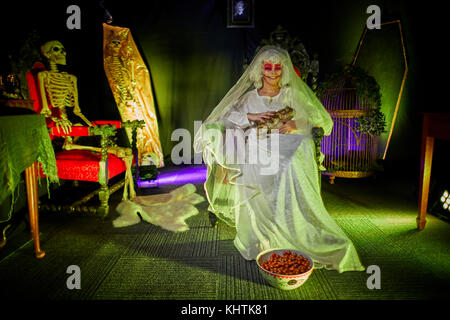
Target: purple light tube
183 175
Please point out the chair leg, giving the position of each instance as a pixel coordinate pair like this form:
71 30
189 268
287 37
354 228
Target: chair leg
103 196
33 211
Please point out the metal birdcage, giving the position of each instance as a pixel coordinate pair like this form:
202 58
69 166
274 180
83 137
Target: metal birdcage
349 152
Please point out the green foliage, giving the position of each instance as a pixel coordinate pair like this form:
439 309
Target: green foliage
367 89
22 59
374 123
366 85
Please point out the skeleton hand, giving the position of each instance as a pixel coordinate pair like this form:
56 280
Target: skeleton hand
64 124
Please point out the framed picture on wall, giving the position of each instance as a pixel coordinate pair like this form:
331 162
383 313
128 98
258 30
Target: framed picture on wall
241 14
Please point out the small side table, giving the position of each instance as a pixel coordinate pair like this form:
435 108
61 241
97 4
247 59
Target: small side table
25 141
435 126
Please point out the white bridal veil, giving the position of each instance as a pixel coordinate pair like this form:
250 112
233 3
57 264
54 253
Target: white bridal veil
209 139
283 209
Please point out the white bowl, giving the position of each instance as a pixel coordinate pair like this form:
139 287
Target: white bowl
280 281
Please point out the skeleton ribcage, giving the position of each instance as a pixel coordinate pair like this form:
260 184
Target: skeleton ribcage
60 90
121 78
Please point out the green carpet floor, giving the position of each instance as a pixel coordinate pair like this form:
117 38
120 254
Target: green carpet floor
143 261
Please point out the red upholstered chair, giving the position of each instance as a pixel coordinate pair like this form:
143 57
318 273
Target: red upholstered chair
82 165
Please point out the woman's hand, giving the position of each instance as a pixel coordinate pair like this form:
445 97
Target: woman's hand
260 117
288 126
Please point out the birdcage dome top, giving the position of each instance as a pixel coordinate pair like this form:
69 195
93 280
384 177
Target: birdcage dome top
350 89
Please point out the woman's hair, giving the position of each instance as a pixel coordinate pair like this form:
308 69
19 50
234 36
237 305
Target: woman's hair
274 57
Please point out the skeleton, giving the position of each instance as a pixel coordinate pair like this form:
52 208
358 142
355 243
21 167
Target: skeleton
60 87
122 77
121 69
61 90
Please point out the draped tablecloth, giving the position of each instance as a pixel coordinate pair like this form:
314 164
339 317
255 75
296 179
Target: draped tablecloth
24 139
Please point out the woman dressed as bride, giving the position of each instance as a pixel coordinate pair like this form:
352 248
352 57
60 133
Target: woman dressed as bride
273 201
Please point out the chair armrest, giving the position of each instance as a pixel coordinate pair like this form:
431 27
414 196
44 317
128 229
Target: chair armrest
77 131
82 131
116 123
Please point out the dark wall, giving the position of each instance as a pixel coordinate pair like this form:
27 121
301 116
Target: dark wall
194 59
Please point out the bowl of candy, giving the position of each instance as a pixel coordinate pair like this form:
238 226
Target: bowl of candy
284 269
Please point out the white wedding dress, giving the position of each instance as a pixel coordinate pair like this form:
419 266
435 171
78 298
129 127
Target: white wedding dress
284 209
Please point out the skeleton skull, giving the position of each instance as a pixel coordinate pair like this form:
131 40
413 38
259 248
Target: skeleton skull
115 46
116 41
54 51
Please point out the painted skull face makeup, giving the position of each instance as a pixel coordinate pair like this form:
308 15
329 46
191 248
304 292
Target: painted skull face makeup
269 66
271 72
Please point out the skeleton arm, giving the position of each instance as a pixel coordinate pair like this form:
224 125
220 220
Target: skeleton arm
129 61
42 77
76 108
